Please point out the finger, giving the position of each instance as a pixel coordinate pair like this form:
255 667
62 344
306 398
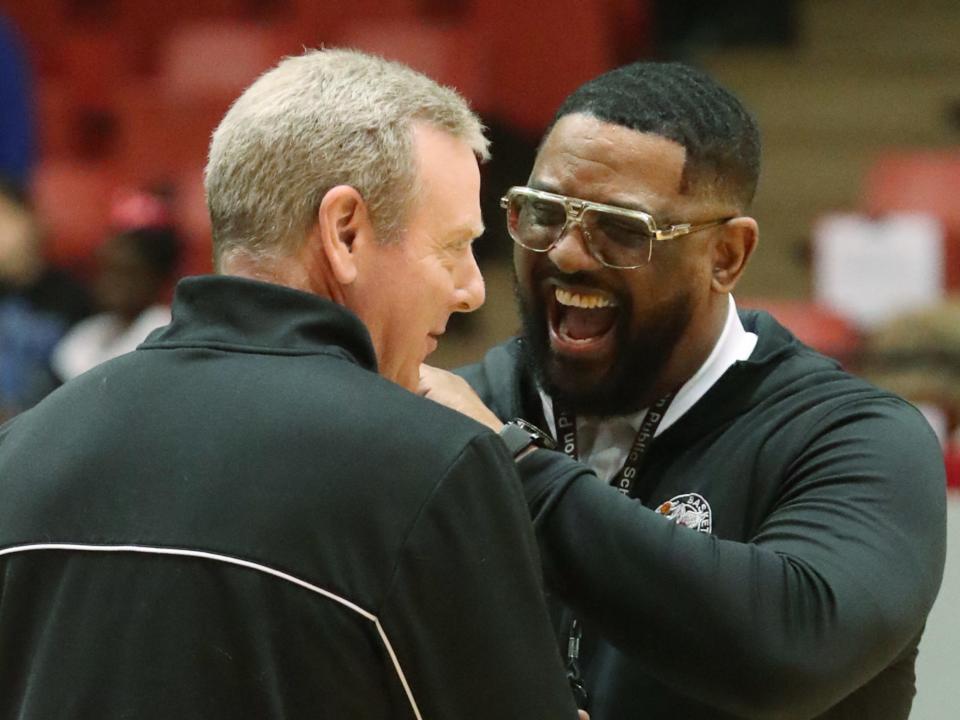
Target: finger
423 386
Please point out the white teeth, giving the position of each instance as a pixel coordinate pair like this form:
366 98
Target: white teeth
578 300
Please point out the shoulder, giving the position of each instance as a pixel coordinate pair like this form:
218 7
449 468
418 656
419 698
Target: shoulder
836 419
409 425
816 387
811 393
787 370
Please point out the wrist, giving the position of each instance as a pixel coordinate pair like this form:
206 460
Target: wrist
522 438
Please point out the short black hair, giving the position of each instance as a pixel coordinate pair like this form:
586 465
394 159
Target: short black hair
683 104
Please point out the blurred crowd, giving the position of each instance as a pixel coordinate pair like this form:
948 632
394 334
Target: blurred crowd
58 322
53 325
58 317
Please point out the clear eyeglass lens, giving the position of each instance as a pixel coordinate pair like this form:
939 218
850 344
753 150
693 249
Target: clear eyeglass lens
534 222
618 241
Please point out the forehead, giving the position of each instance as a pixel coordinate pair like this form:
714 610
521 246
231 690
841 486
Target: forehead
595 160
449 182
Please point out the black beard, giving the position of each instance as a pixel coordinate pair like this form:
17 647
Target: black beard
629 383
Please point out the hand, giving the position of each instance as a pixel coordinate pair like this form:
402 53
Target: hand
583 715
454 392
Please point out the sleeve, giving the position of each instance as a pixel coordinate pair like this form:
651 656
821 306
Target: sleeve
834 585
466 610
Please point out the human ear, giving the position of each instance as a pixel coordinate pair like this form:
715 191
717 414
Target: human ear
736 241
342 221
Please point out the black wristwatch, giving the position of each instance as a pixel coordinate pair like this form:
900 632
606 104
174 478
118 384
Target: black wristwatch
521 437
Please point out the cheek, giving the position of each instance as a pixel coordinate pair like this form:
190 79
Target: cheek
647 290
698 278
428 295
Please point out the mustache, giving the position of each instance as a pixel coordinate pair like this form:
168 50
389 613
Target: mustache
577 279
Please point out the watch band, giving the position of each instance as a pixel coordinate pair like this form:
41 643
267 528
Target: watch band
521 436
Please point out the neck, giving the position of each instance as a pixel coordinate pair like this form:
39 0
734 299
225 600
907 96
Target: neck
289 271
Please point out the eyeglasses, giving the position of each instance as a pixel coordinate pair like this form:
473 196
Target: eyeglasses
616 237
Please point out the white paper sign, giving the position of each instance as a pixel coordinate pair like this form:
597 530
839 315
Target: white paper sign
872 269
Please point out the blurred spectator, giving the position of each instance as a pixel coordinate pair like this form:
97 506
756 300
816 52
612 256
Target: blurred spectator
16 110
136 268
37 306
917 355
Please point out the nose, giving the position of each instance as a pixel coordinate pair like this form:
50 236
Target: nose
471 291
570 254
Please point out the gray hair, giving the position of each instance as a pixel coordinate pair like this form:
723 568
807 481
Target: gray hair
324 118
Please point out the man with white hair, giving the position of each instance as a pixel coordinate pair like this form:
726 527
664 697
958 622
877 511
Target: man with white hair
252 515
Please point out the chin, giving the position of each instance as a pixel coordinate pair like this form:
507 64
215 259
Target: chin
588 390
572 378
620 382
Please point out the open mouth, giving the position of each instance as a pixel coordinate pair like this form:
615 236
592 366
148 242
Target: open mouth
582 322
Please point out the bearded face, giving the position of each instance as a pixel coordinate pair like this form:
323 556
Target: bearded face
604 341
596 360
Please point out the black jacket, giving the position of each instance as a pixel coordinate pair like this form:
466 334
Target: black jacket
241 519
808 596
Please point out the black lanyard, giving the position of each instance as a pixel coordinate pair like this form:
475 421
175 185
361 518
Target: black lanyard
566 424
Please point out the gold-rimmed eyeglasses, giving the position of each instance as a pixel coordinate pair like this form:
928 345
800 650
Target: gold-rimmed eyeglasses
616 237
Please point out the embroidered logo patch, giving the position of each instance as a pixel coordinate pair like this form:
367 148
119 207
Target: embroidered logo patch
690 510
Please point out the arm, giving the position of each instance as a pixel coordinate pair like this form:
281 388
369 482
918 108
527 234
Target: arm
465 610
837 580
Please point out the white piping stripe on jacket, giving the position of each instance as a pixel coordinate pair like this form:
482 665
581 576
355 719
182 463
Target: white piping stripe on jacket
242 563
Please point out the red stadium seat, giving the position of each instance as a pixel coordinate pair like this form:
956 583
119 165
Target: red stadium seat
190 208
920 181
73 203
540 52
190 203
322 19
219 58
952 461
151 23
159 136
93 62
56 107
449 53
40 26
813 324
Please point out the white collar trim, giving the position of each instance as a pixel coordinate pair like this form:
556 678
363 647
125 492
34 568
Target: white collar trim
733 345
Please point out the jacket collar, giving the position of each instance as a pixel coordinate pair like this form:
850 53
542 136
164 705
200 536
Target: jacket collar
243 315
